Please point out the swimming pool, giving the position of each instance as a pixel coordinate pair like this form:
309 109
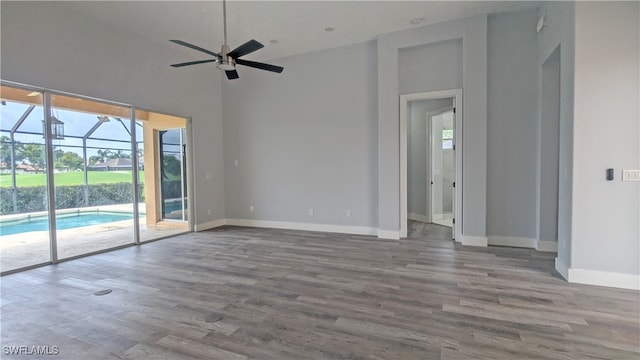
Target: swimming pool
63 221
170 206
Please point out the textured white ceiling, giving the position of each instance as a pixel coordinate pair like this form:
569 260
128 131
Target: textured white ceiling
297 25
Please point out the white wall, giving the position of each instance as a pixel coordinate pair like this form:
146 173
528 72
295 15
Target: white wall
45 46
430 67
549 136
417 152
473 32
606 214
559 32
512 106
306 138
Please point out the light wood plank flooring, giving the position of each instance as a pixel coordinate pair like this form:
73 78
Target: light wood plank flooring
240 293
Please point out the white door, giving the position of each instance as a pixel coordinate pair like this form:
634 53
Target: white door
442 168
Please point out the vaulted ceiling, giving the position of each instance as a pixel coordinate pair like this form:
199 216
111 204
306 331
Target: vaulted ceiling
285 28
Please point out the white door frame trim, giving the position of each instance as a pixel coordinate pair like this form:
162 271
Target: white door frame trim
404 102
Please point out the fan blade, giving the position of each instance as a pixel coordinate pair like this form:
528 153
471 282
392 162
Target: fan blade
246 48
193 63
262 66
180 42
232 74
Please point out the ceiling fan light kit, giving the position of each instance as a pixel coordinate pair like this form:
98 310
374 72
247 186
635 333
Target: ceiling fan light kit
227 59
226 62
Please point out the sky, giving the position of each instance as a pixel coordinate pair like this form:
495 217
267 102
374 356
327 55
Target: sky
75 124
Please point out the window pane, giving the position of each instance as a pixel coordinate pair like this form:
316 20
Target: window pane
24 225
94 208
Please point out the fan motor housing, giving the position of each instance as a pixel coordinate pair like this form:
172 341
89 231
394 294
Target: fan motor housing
226 62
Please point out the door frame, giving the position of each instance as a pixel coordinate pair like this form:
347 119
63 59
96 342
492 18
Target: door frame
184 165
405 99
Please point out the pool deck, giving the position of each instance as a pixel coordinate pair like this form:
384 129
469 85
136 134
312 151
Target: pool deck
26 249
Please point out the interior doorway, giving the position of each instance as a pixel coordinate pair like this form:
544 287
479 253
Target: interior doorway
431 159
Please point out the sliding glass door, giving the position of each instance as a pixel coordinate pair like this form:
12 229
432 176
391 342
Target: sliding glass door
24 222
93 176
164 148
173 170
80 176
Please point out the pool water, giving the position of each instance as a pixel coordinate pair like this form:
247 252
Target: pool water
66 221
170 206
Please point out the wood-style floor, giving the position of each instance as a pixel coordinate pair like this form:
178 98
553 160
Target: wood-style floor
238 293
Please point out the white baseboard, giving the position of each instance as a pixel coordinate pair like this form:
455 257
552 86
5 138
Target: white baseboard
547 246
209 225
599 278
342 229
389 234
512 241
562 268
474 240
604 278
418 217
539 245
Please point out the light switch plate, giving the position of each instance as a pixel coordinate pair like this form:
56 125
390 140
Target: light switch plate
630 175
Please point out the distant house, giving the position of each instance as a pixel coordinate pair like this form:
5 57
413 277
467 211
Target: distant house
27 169
118 164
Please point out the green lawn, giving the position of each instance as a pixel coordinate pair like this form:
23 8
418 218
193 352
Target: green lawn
69 178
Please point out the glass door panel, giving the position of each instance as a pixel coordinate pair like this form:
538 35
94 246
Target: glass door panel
172 174
24 223
162 149
93 175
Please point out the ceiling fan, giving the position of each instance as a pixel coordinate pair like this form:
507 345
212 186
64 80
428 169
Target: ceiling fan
227 60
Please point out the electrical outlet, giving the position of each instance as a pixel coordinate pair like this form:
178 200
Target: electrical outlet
251 208
348 213
630 175
235 163
310 211
209 212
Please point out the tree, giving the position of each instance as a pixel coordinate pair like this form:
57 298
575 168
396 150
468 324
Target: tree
5 149
34 153
104 155
170 166
119 154
57 153
69 160
95 159
5 152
